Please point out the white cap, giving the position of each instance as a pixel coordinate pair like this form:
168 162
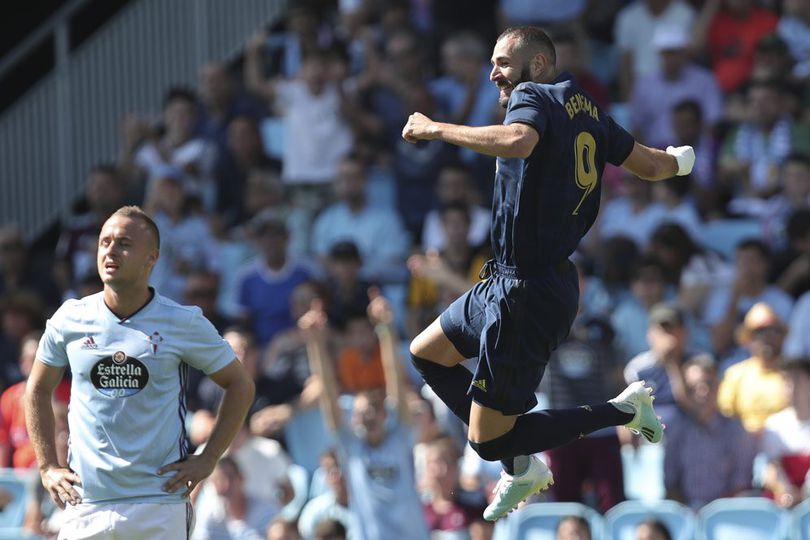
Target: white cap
670 37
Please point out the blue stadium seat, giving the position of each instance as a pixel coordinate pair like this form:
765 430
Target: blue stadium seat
622 520
539 521
723 235
15 484
299 478
800 521
742 518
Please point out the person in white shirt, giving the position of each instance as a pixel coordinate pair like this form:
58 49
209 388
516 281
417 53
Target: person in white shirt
129 474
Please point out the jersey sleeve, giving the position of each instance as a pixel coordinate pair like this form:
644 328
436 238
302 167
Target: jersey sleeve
52 348
204 348
527 105
620 142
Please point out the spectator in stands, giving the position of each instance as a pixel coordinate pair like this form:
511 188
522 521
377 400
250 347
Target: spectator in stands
443 507
20 314
614 260
662 366
202 290
793 264
317 135
438 278
75 253
359 361
220 103
285 384
571 58
633 32
689 128
786 439
694 271
376 450
454 186
753 389
726 306
673 195
794 29
632 214
751 154
772 59
729 30
630 318
467 95
586 366
234 514
573 528
266 284
242 153
794 195
348 292
285 48
333 505
178 146
377 232
676 80
706 455
653 529
18 270
186 242
15 448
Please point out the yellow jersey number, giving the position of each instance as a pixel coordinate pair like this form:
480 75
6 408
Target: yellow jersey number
585 165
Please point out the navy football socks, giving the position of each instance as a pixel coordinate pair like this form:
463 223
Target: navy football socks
542 430
450 384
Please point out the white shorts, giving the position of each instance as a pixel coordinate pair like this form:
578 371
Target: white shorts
133 521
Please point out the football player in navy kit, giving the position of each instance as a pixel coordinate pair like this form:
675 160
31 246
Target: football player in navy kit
551 151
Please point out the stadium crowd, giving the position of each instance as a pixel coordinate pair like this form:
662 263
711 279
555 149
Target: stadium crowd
319 242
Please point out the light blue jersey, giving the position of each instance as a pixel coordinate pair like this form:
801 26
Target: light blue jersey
127 404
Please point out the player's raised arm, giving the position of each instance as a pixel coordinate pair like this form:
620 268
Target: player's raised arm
511 141
654 164
313 324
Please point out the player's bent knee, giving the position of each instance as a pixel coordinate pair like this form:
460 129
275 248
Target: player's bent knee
493 450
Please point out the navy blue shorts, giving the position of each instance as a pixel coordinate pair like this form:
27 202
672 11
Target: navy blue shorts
512 325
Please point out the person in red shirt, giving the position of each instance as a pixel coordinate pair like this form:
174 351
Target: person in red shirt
730 31
15 447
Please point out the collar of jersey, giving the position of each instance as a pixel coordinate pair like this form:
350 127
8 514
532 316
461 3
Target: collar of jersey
139 311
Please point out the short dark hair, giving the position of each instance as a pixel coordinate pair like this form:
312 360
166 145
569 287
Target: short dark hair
180 92
576 519
756 244
533 39
798 224
136 212
456 207
691 106
329 529
797 157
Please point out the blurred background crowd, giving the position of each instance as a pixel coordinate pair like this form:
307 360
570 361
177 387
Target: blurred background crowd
280 182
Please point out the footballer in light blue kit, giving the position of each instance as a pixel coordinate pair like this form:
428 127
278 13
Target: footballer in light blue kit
128 472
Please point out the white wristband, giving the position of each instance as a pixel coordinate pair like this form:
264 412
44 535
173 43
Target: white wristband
685 156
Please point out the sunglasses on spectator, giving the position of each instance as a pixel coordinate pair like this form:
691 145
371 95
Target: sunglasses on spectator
762 330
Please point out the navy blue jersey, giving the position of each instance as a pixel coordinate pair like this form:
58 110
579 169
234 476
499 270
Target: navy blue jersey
544 204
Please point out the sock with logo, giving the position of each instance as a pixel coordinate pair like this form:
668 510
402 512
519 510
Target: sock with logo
449 383
542 430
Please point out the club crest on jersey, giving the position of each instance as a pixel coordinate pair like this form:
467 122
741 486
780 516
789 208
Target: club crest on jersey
119 375
155 339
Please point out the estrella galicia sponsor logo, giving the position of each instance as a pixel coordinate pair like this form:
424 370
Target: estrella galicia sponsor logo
119 375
